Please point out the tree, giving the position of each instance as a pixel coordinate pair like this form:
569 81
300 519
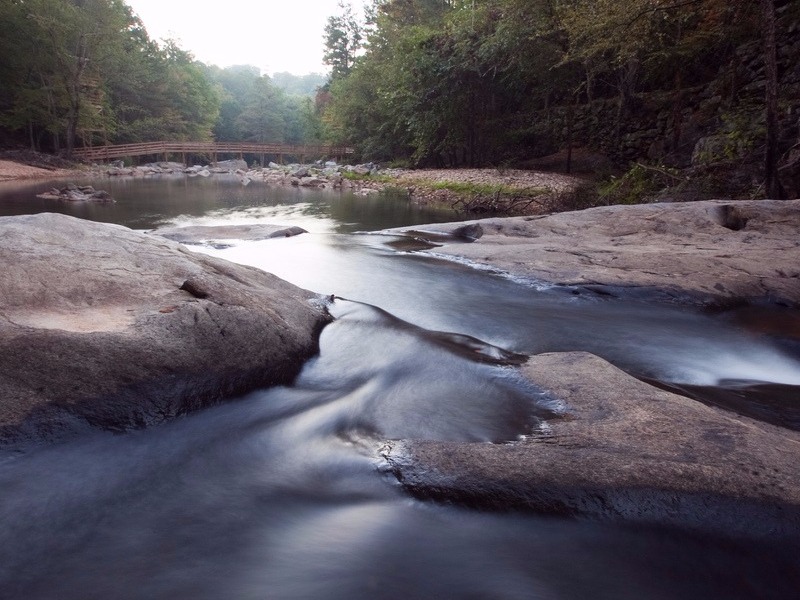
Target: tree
86 71
773 186
263 116
191 98
59 63
342 41
299 85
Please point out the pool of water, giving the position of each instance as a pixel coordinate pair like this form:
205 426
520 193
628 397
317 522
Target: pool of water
145 203
281 494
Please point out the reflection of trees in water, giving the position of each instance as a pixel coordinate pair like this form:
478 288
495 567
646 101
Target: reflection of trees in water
153 202
382 211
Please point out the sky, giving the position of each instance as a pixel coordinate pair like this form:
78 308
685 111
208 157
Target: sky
272 35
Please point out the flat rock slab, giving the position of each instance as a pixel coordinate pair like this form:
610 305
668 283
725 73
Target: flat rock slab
710 252
105 327
201 234
622 450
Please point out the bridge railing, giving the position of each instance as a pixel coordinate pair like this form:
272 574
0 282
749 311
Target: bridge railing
211 148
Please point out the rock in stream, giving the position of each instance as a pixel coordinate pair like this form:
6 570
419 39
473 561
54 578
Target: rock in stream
101 326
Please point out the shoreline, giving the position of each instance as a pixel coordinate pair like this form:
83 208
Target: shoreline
509 192
16 171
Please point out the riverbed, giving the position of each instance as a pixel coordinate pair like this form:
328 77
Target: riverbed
283 493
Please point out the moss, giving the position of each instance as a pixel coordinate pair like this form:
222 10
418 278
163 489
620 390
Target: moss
638 185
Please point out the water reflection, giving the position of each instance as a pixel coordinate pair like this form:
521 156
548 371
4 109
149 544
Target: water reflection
146 203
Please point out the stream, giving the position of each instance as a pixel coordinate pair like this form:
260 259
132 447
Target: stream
283 494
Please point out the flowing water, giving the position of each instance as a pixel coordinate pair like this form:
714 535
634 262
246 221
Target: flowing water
282 494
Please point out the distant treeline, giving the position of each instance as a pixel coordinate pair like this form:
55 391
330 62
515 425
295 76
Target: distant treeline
477 82
80 72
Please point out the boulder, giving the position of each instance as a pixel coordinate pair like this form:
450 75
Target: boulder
710 253
104 327
301 172
313 181
231 165
623 450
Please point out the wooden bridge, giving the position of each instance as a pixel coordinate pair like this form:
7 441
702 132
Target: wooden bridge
211 150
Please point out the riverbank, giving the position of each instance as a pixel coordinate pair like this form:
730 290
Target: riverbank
16 171
492 191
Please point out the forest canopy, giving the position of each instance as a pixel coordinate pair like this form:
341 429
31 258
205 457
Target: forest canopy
85 72
492 82
662 84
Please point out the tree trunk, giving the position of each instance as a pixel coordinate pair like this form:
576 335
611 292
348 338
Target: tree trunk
773 186
76 93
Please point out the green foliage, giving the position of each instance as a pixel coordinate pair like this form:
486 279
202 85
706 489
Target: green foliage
254 108
463 82
299 85
639 184
343 35
440 82
85 71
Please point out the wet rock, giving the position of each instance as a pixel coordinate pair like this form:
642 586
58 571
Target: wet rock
74 193
300 173
201 234
313 181
470 232
104 327
119 171
712 252
231 165
623 450
199 170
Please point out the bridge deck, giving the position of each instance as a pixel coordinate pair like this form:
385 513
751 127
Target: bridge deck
209 148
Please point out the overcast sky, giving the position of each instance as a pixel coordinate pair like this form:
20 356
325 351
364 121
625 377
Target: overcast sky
275 36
